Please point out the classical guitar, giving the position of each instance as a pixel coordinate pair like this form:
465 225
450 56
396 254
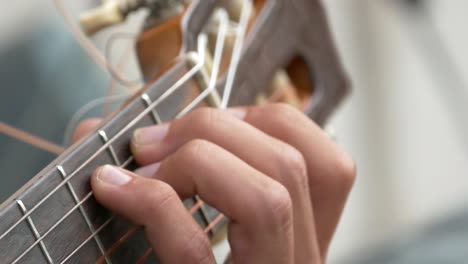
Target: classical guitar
216 53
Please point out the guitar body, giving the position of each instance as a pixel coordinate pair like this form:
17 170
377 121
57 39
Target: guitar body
55 219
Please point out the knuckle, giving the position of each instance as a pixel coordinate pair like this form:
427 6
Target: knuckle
293 166
283 111
197 249
278 206
205 117
158 202
345 170
196 153
284 117
195 149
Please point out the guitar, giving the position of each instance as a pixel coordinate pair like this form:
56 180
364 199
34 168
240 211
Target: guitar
202 53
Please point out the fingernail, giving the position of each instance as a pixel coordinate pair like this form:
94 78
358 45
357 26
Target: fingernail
239 113
148 171
113 176
150 135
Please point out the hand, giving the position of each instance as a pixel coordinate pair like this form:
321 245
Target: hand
275 174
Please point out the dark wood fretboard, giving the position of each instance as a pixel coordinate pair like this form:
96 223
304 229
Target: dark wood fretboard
66 223
55 219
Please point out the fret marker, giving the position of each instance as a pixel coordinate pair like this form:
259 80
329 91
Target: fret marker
83 212
36 233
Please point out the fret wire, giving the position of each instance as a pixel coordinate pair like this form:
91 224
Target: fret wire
95 234
52 228
78 205
105 139
88 239
200 63
83 212
36 232
222 16
208 229
157 119
202 44
132 230
237 52
193 104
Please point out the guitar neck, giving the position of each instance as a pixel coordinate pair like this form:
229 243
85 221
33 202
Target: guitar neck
55 217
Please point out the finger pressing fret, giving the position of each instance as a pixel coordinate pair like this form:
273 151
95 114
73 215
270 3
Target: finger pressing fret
30 139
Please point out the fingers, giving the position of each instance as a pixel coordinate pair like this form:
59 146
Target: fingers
85 127
171 230
331 171
268 155
260 209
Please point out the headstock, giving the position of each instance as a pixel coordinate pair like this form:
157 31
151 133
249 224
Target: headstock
286 34
290 37
187 57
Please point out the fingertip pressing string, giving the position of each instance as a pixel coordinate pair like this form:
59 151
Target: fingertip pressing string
199 57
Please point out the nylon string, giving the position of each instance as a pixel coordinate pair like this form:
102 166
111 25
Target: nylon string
200 58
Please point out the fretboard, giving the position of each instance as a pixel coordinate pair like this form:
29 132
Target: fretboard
55 218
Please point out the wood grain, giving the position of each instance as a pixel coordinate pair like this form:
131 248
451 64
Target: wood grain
284 30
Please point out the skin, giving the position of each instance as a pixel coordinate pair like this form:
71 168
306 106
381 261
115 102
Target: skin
274 173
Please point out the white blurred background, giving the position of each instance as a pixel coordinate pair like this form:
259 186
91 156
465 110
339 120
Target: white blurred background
406 123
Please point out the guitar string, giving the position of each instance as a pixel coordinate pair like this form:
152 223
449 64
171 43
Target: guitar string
94 234
192 210
208 229
30 139
72 125
240 32
201 61
222 16
52 228
223 29
237 51
108 52
113 83
202 40
53 148
246 12
84 41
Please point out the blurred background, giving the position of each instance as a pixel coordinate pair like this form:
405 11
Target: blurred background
406 123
